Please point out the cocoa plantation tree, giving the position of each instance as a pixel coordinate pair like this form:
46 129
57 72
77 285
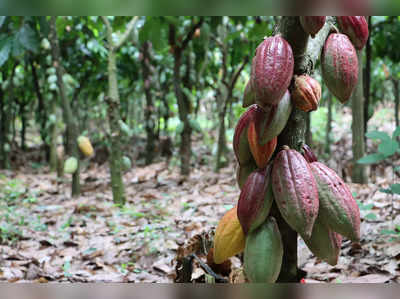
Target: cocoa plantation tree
285 191
113 108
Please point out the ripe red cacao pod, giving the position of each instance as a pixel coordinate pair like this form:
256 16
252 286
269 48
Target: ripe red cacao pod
272 70
338 209
240 143
312 24
356 28
261 153
243 171
278 115
324 243
306 93
295 191
309 154
255 200
339 66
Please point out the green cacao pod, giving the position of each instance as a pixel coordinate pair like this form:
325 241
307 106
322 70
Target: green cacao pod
243 172
324 243
70 165
339 64
338 209
295 191
272 70
126 163
263 253
312 24
272 126
255 200
356 28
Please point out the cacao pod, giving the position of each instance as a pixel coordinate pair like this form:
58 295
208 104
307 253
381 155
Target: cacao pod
240 142
307 93
273 70
356 28
295 191
339 66
224 269
85 146
309 154
249 96
324 243
255 200
126 163
70 165
338 209
261 153
273 125
263 253
229 238
243 171
312 24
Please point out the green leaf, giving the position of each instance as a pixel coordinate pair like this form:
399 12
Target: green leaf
367 207
26 36
371 216
2 19
397 168
388 147
5 49
388 232
377 135
396 132
395 188
388 190
371 159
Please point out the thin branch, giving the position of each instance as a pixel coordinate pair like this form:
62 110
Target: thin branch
191 32
109 32
127 32
237 74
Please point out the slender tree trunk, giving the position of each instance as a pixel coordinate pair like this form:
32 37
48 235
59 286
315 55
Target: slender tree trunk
367 83
396 101
306 52
308 129
23 122
221 145
358 174
328 126
2 131
69 119
150 109
53 134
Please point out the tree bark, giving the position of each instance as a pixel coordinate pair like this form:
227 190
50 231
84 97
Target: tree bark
358 174
150 109
306 51
22 112
396 100
308 129
69 119
367 83
328 126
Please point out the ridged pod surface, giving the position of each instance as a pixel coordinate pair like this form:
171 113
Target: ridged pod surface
309 154
324 243
255 200
229 238
356 28
272 70
306 93
85 146
278 116
240 143
338 209
339 66
261 153
295 191
312 24
263 253
243 171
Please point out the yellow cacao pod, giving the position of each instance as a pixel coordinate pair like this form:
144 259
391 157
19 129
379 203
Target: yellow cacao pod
85 146
229 238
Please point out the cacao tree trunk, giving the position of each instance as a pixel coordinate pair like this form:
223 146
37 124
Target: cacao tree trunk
308 129
69 119
23 123
328 126
221 145
358 174
396 100
53 136
2 131
150 109
306 51
367 83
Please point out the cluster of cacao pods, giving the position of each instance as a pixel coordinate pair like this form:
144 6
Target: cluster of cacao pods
311 197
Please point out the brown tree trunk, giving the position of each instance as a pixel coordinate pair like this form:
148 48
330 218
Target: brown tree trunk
396 101
306 51
69 119
367 83
328 126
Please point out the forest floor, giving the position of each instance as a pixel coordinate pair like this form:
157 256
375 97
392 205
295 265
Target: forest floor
45 235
